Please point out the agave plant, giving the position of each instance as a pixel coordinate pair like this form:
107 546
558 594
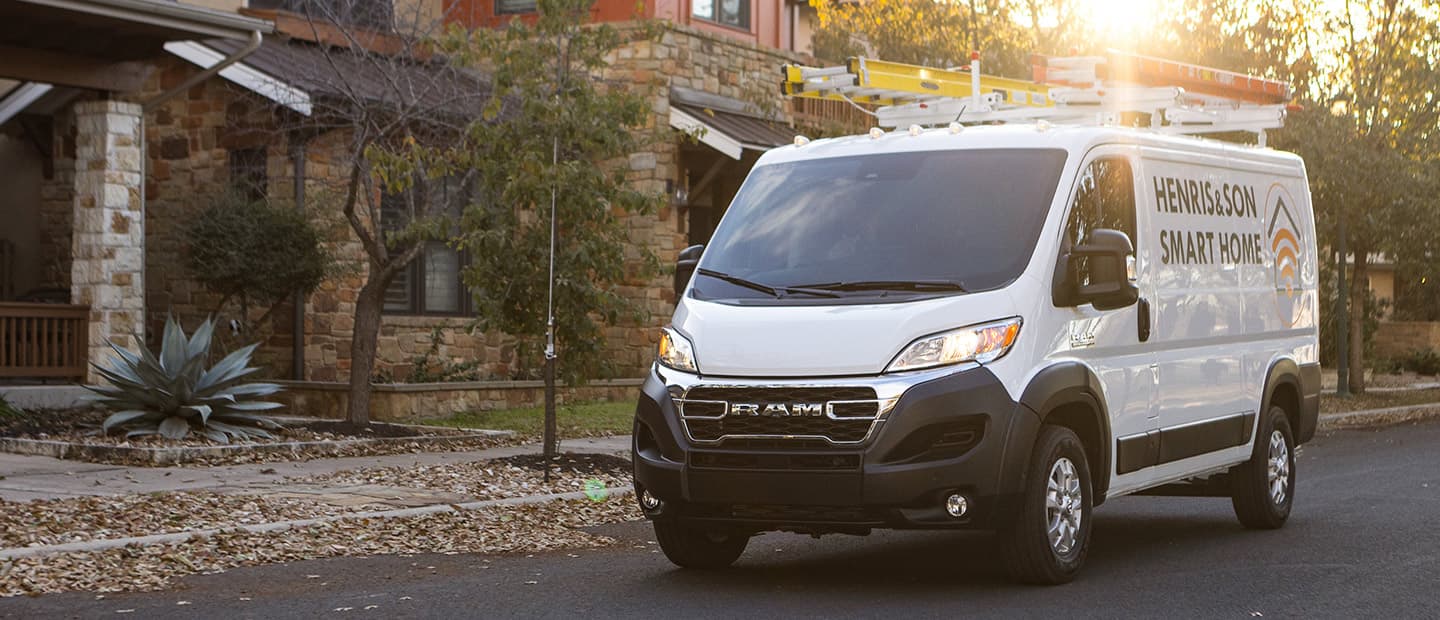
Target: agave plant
174 394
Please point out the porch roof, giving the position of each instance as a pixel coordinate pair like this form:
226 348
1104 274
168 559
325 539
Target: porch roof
101 44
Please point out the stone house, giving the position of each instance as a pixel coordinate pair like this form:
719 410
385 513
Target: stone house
107 184
73 228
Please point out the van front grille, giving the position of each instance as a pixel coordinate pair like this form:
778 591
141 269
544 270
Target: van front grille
836 415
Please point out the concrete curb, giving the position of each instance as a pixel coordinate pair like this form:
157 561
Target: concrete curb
260 528
1332 420
103 453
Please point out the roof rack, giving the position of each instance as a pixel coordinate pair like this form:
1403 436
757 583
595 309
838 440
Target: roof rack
1114 89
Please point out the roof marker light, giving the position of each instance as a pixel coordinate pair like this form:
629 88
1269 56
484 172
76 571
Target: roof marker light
801 141
876 133
916 130
1043 125
956 128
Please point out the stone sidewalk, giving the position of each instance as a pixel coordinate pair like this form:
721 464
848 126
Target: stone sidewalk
26 478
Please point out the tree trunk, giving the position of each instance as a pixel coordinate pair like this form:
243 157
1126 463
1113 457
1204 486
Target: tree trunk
1359 296
362 349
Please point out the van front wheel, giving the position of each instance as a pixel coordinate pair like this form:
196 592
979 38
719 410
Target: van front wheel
1050 537
1263 488
697 547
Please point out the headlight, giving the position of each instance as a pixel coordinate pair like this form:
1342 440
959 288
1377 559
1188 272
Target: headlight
676 352
977 343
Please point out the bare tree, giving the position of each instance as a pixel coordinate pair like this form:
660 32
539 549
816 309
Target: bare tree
375 85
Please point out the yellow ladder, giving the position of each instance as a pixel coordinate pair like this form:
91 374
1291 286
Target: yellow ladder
877 82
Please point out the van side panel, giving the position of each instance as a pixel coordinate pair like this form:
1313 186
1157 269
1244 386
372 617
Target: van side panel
1233 250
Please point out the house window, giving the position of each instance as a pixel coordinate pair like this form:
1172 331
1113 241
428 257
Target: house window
431 284
508 7
735 13
247 174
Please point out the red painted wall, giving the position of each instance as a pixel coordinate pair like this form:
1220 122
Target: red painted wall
769 19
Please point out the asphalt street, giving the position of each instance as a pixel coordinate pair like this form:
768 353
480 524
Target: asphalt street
1363 541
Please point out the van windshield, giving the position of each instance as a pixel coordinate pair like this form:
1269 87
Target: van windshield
894 225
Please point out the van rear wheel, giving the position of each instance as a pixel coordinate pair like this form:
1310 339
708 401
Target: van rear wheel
689 546
1263 488
1050 537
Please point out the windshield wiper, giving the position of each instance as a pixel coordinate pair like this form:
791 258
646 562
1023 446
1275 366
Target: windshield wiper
774 291
884 285
739 281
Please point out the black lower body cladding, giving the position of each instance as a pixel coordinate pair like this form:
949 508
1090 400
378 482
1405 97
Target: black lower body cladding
1309 417
958 433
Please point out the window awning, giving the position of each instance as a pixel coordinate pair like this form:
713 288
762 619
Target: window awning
724 124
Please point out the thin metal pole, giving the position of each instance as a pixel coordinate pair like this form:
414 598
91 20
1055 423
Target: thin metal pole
550 439
550 449
1342 320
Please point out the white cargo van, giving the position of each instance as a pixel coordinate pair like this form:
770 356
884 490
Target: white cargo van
992 328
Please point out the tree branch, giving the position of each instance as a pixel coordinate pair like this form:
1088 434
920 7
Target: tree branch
357 168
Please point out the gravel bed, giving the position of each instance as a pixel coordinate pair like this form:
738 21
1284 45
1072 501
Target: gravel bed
50 522
377 449
494 479
333 439
528 528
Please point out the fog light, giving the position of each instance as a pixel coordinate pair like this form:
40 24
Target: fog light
956 505
648 501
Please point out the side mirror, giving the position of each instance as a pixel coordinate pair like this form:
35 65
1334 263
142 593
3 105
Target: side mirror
1105 279
685 267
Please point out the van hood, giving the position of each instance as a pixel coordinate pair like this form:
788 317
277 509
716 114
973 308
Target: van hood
820 341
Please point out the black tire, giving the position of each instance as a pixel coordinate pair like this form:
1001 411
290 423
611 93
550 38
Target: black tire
1256 502
694 547
1029 555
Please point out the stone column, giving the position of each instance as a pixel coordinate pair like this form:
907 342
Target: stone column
109 233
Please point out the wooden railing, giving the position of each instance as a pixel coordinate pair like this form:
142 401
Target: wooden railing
44 340
824 117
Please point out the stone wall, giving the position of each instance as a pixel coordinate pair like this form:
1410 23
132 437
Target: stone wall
1395 339
409 402
189 138
57 204
697 60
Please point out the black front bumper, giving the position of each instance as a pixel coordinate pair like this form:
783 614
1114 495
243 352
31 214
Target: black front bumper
959 433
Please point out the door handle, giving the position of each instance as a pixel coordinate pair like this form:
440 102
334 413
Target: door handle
1142 315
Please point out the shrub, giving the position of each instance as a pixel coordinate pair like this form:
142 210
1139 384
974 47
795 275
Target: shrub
8 410
1422 361
255 253
431 368
1388 366
173 394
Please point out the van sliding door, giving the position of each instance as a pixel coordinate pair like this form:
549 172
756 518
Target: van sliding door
1206 230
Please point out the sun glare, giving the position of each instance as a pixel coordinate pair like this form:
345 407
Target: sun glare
1118 18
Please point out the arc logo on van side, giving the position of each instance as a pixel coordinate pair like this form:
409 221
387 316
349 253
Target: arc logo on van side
1287 246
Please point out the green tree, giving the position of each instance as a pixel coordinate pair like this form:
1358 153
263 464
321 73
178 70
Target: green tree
1385 90
555 131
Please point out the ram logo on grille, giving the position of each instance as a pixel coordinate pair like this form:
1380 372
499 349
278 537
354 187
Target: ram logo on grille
778 410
